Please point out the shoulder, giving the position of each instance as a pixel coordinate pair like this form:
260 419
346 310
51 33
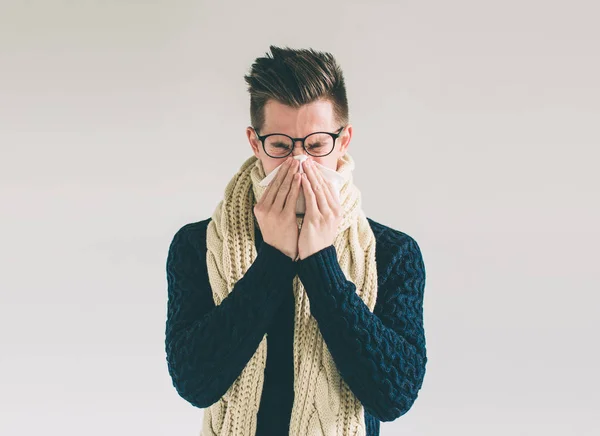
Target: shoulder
191 235
395 247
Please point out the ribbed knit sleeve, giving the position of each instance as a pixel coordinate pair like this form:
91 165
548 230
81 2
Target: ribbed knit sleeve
208 346
381 354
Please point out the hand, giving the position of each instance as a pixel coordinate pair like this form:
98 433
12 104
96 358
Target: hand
323 212
276 209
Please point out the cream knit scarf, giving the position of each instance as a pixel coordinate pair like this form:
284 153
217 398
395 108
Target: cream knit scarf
323 403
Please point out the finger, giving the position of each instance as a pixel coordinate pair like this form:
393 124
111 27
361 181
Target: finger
292 199
309 197
333 202
271 193
327 188
285 186
333 198
316 186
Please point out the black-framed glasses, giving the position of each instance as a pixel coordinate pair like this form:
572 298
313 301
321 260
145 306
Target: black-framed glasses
317 144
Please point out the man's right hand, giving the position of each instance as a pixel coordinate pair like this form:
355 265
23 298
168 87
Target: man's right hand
276 210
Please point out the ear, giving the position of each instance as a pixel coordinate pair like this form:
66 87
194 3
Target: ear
344 139
253 140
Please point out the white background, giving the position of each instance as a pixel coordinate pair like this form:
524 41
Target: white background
476 131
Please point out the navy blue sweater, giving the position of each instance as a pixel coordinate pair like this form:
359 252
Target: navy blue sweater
381 355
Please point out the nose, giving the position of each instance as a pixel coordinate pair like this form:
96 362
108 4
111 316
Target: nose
298 149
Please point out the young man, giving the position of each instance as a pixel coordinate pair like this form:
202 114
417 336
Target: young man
281 322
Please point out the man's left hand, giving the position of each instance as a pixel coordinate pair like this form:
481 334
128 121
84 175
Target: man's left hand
323 213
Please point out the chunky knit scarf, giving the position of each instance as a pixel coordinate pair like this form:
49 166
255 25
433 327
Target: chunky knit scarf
323 403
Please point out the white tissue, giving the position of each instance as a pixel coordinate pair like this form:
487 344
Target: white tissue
337 180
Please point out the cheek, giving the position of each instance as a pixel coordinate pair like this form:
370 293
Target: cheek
328 161
269 169
270 165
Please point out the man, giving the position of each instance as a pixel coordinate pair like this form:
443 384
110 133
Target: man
286 323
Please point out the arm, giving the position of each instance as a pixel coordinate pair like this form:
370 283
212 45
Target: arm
208 346
381 355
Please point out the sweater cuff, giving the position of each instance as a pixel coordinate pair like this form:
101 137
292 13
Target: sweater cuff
321 270
273 263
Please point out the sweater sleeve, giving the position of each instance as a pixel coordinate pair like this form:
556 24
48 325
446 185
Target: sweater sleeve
208 346
381 355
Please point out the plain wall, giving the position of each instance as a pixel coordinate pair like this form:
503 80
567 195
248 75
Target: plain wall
476 131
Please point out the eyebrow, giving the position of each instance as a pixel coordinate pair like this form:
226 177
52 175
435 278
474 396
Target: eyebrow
314 131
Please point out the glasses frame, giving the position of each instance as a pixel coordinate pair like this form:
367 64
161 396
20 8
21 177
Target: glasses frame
335 136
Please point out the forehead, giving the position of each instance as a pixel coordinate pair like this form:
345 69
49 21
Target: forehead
311 117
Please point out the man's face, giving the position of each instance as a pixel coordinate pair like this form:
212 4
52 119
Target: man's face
312 117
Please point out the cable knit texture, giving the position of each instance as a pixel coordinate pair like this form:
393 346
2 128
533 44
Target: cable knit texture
323 403
357 356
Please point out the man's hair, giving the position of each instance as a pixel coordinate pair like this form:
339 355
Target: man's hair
296 77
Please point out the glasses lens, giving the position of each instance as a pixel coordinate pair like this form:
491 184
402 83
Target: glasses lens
319 144
278 145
